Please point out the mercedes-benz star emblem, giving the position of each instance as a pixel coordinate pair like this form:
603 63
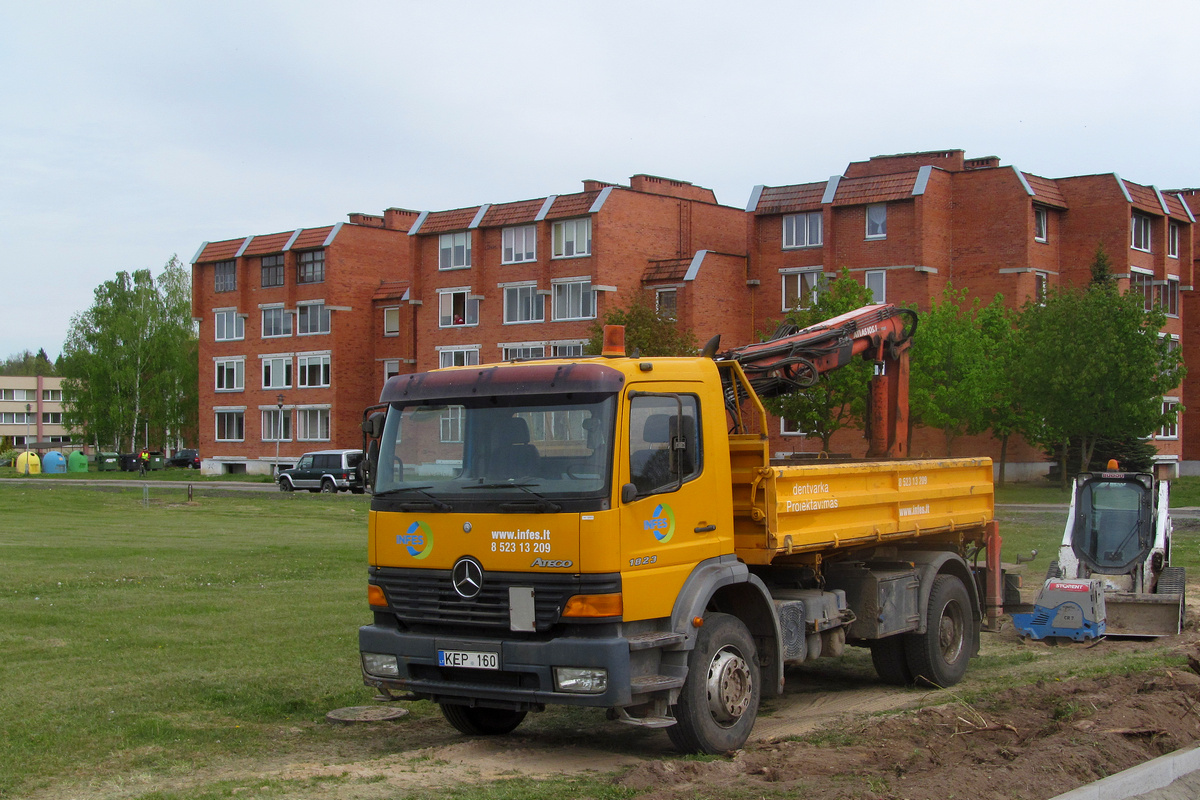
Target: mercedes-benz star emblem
467 577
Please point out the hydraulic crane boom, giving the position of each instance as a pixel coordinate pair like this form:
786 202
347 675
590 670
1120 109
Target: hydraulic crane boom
795 358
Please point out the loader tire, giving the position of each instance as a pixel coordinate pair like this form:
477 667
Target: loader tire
939 656
891 661
1173 580
719 701
1053 571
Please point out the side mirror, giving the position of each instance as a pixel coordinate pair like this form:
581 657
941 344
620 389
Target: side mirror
372 426
629 493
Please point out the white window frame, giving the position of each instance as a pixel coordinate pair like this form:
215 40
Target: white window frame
518 244
222 318
391 321
1168 296
284 318
572 298
1143 285
324 321
573 349
880 224
451 424
1169 430
276 424
306 416
1173 240
663 308
794 276
512 352
52 417
1041 287
879 276
1041 224
785 430
467 356
454 250
1140 229
568 235
227 368
52 395
391 368
275 364
324 365
229 414
802 230
523 303
446 308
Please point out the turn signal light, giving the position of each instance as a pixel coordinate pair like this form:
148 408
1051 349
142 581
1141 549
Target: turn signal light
594 605
375 596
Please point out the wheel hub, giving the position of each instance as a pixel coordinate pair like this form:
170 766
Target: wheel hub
950 633
729 686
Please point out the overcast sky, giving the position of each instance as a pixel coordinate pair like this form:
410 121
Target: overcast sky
130 131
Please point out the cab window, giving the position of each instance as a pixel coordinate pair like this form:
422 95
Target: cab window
664 442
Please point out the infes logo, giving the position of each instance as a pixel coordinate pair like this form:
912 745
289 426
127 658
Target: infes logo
662 523
418 540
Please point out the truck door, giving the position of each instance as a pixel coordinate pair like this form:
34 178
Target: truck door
667 522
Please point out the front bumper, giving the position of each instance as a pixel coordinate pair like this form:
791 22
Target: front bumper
524 681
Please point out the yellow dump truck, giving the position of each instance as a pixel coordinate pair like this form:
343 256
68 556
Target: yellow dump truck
611 532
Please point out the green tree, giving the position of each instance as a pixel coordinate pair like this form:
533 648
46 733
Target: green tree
839 398
647 332
1090 365
129 362
27 364
1101 267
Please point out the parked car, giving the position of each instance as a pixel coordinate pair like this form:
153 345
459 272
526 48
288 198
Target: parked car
185 458
326 471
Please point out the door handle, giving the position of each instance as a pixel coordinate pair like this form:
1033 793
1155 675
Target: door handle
705 528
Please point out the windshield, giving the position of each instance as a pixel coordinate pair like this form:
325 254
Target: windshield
1113 525
492 453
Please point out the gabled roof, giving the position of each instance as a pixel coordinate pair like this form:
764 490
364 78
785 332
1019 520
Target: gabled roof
391 290
522 211
269 243
458 219
1143 197
572 205
1045 191
875 188
786 199
667 269
219 251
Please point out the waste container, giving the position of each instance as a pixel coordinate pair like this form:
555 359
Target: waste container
77 462
29 463
54 463
108 462
158 461
129 462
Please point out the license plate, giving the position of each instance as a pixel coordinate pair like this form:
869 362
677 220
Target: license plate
469 659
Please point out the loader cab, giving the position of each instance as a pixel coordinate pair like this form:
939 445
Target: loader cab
1114 521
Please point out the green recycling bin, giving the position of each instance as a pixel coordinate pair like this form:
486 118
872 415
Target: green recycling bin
108 462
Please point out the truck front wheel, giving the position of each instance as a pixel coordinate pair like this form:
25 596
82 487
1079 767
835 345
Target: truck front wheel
482 721
939 656
719 702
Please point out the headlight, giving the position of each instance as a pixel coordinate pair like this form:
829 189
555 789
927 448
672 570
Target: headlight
582 680
381 665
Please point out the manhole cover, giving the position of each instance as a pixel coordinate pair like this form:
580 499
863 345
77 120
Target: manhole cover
366 714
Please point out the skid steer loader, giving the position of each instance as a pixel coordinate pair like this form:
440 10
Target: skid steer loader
1118 535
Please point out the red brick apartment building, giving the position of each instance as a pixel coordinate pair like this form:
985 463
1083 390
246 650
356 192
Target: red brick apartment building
324 316
907 225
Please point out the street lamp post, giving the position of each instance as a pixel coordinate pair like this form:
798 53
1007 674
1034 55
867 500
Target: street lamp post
278 431
28 408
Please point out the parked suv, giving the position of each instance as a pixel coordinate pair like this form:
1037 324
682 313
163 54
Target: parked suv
326 471
185 458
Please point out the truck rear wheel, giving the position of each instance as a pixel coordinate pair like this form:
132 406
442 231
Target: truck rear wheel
891 660
482 721
939 656
719 702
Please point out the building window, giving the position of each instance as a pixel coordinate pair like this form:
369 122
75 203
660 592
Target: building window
520 244
230 375
277 372
276 322
230 326
1039 225
272 271
391 368
788 427
568 350
455 250
1140 224
457 307
573 237
391 321
1142 283
17 394
313 371
1041 287
1170 429
574 300
312 318
523 304
458 357
800 289
876 281
802 230
524 351
310 267
666 303
15 418
313 424
225 273
276 425
1168 297
1173 240
877 221
52 418
451 422
52 395
231 426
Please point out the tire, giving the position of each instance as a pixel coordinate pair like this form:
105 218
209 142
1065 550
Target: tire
719 702
1053 571
285 485
939 656
891 660
482 721
358 490
1173 580
328 487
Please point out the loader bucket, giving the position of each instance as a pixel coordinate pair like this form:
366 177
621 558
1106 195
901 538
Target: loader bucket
1143 615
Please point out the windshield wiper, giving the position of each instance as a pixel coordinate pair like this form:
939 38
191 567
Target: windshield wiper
438 505
540 503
